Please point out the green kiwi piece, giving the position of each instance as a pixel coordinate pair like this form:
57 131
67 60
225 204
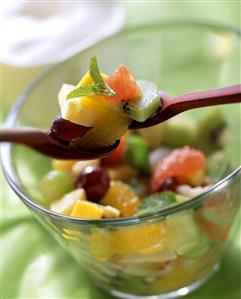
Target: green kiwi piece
142 108
212 132
179 131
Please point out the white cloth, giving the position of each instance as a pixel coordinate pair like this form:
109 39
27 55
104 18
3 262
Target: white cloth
36 33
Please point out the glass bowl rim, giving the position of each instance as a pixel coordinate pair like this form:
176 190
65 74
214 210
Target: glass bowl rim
6 149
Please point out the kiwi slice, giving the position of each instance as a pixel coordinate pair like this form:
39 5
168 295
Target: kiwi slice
143 107
212 132
179 131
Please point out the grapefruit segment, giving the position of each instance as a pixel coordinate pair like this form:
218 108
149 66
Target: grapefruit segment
123 84
181 162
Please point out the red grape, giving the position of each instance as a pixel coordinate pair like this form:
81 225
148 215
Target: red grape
95 181
66 130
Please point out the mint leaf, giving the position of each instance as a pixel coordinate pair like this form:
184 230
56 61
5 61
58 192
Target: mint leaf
97 88
95 73
156 202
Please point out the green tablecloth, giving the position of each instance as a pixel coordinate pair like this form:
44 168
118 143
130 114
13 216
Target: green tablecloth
32 263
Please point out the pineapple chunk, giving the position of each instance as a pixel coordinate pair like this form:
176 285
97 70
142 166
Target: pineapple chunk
64 90
86 209
66 203
108 122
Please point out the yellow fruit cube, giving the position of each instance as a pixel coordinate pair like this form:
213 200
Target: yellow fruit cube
62 164
86 209
66 203
122 197
63 92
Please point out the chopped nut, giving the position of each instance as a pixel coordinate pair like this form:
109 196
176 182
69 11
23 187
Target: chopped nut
187 190
111 212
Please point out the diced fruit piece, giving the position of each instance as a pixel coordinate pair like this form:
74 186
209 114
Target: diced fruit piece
137 153
181 162
79 166
55 184
144 239
95 181
107 123
66 203
117 156
180 131
86 209
212 132
184 235
218 166
122 172
156 202
62 164
121 197
109 127
148 103
153 135
110 212
63 92
123 84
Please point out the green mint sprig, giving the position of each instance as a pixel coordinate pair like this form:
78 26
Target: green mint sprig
98 88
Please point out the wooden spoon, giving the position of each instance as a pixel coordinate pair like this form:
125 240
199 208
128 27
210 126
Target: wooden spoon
173 106
56 142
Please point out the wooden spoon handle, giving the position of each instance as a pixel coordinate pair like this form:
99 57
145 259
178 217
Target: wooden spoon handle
220 96
23 136
174 106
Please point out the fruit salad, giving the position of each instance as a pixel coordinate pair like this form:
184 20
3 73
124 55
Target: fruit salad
152 170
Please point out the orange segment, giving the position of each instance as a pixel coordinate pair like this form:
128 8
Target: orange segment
181 163
143 239
122 197
124 84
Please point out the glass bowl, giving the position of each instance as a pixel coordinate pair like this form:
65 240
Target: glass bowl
136 257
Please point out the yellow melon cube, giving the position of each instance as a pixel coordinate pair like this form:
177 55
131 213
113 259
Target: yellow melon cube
86 209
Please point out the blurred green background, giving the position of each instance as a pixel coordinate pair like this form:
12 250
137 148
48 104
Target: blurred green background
32 263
